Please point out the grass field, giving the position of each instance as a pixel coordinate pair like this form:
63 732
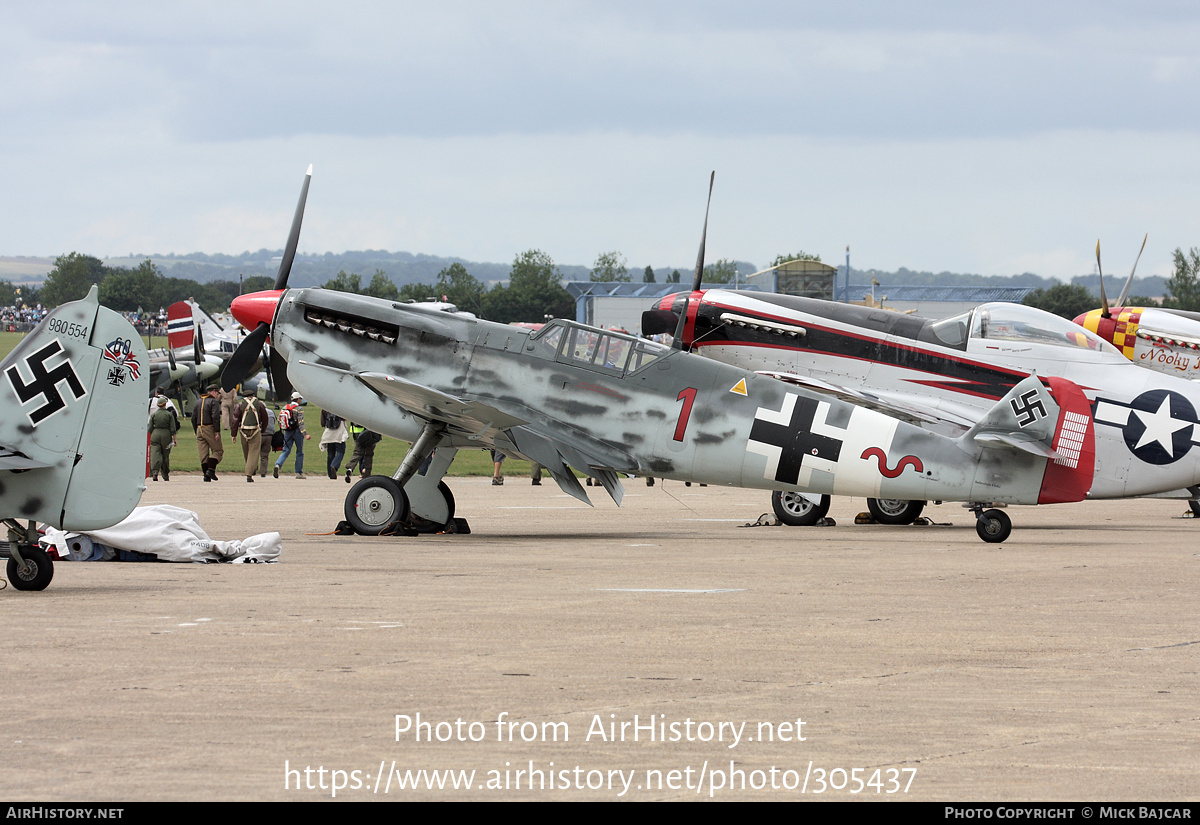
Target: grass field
9 341
388 455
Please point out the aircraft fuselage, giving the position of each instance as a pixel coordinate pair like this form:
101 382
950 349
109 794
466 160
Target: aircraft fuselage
1146 424
575 396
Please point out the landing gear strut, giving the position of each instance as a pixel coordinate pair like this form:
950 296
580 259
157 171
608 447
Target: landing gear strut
410 500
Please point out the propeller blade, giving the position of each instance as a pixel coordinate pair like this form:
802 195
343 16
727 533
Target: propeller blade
171 357
697 278
237 368
1129 280
283 385
1103 298
289 251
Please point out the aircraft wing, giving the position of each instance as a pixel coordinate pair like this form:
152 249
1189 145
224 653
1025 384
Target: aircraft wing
894 407
471 418
557 452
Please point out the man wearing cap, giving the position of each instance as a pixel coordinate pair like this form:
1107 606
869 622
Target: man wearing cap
162 428
206 420
158 393
291 421
248 419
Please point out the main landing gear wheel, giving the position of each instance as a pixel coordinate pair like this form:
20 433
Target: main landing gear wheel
374 503
894 510
795 510
38 572
993 526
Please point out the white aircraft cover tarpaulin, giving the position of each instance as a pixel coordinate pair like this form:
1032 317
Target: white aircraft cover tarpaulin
171 534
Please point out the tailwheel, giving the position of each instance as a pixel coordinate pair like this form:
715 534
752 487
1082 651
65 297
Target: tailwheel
794 510
374 503
37 571
894 510
993 526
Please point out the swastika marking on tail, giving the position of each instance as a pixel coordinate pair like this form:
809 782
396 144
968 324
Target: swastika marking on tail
45 382
1030 408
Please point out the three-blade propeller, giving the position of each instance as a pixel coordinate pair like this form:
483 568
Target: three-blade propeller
238 367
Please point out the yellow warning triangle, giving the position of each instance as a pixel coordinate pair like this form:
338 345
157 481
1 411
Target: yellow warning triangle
739 387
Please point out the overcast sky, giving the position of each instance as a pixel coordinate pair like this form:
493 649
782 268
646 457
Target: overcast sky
953 136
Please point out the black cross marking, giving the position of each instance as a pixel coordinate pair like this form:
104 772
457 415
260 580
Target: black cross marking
1030 409
795 440
45 382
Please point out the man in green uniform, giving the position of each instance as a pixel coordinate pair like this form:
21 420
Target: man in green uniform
162 429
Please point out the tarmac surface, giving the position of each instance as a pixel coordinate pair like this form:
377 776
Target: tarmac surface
845 662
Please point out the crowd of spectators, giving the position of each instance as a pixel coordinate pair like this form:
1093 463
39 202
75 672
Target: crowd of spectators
25 318
21 319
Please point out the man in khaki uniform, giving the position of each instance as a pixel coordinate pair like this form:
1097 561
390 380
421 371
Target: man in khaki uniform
206 420
248 420
229 400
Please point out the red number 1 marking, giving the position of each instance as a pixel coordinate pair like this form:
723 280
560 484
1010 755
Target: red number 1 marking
688 397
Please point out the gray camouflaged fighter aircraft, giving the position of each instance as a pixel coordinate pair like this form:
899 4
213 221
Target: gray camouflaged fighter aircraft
573 397
72 431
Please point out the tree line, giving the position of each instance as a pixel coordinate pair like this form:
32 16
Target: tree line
534 291
142 288
1181 291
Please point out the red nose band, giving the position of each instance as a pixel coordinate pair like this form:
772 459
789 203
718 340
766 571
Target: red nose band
256 308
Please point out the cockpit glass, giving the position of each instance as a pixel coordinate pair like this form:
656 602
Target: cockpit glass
548 338
645 352
1018 323
595 349
582 345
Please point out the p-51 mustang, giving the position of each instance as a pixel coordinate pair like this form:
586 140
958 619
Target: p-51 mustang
573 397
1164 340
72 431
946 376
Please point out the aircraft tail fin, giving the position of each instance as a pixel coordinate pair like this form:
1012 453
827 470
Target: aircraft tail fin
206 327
180 326
73 402
1051 421
1024 419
